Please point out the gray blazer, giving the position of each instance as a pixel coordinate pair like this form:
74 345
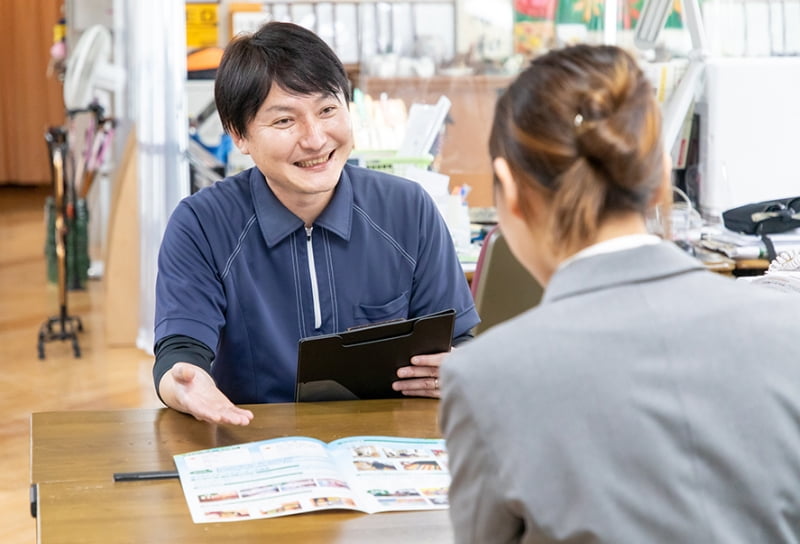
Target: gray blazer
644 401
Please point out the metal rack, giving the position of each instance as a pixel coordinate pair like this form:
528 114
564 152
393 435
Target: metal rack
62 326
378 25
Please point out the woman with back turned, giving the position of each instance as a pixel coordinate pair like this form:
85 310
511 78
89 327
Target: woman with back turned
645 400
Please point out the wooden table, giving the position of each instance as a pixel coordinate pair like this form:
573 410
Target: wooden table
75 454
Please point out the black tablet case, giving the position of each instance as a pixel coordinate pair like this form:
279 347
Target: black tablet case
363 363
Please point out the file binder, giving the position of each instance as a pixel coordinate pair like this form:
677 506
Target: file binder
362 363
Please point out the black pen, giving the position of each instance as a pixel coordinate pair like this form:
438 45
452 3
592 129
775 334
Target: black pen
147 475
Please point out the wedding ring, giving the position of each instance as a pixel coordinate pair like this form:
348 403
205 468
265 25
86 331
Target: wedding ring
436 383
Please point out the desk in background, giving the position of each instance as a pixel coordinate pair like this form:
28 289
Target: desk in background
75 454
717 262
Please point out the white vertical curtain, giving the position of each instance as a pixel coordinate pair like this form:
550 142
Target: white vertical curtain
156 106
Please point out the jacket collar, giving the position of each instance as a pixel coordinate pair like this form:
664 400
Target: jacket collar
606 270
277 222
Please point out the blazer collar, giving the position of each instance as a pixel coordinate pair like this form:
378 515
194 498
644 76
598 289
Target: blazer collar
636 265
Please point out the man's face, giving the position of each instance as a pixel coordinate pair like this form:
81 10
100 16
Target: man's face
300 143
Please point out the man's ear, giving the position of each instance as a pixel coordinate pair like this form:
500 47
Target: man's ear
508 188
241 144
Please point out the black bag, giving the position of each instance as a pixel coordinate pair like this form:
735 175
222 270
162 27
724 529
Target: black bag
763 218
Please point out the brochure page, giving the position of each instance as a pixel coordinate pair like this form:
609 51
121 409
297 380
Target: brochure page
295 475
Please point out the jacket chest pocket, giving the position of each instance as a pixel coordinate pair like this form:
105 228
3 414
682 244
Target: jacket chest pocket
396 308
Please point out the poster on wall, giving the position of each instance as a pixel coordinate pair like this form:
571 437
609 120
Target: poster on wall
542 24
534 25
202 25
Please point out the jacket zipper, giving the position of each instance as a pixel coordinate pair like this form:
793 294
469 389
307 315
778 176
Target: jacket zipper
313 271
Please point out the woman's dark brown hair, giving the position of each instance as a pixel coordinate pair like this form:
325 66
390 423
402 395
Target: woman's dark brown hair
581 125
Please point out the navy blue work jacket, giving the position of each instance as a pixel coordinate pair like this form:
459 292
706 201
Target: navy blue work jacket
235 273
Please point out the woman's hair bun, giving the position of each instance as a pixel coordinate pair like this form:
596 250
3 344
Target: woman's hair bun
612 133
581 126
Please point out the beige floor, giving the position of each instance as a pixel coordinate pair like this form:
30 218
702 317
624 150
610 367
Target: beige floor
103 378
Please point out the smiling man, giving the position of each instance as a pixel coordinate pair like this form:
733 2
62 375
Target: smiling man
300 245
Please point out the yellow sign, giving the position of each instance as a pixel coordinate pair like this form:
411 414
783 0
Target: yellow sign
202 28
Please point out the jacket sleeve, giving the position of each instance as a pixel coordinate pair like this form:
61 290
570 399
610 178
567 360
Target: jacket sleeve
478 510
439 280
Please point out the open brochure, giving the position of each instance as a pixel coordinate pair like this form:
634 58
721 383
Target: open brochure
298 474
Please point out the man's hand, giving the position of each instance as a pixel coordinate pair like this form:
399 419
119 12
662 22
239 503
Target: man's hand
190 389
421 379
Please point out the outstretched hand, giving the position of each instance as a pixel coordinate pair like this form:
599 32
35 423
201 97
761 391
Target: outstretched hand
190 389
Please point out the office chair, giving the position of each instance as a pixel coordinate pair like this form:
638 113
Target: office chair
501 287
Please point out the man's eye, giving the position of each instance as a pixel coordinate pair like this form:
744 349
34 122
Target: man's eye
282 122
329 110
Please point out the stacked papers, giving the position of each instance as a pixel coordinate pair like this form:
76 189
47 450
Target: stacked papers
746 246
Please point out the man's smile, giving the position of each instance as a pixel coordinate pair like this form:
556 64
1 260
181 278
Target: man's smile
314 162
